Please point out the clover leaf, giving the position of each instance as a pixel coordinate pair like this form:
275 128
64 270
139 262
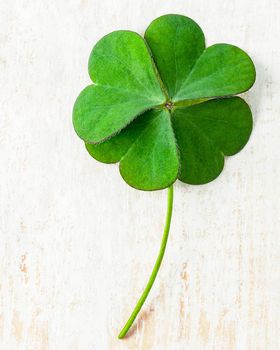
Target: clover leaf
164 107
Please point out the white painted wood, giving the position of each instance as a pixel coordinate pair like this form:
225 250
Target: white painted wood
77 244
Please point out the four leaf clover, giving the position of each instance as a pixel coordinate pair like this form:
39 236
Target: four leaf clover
163 106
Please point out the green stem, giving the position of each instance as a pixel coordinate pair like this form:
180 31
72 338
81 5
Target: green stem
156 266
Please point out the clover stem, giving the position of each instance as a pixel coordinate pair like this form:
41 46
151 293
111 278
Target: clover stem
156 266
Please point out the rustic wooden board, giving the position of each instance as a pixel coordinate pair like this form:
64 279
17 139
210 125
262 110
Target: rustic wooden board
77 244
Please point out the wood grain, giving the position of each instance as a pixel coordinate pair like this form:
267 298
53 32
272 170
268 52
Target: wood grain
77 244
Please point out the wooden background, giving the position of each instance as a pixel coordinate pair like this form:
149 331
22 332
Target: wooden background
77 244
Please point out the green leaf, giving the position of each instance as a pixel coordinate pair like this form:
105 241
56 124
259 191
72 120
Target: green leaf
112 150
222 70
176 43
152 161
126 85
155 117
208 131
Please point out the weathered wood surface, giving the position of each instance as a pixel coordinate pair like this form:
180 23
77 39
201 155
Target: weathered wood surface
77 244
